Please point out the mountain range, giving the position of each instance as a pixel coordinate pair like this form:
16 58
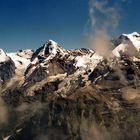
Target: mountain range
83 82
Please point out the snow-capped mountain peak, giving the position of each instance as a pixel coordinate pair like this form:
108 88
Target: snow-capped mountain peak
52 42
134 38
47 52
128 44
50 48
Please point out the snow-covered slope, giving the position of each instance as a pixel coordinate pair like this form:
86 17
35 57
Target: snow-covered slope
21 58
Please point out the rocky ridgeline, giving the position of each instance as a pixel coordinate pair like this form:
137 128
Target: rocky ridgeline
51 63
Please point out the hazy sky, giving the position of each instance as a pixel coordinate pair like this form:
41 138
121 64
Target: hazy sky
30 23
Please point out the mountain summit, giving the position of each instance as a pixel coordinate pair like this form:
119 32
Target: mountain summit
128 44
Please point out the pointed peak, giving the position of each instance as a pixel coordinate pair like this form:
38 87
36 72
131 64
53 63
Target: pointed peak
48 50
51 45
52 42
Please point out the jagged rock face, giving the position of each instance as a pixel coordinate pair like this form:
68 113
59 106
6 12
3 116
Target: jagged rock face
7 67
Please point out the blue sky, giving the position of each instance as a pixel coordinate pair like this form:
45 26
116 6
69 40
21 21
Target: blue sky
30 23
